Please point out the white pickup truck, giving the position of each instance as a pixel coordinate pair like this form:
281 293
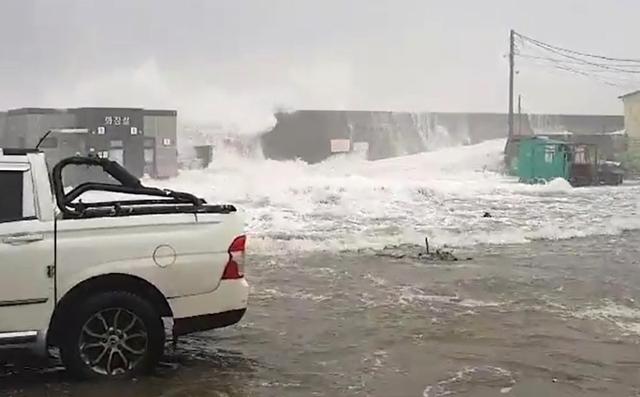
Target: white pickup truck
107 282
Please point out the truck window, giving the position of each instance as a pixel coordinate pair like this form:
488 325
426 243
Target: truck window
49 143
16 199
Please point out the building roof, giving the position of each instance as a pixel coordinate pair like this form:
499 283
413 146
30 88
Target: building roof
543 140
14 112
160 112
146 112
633 93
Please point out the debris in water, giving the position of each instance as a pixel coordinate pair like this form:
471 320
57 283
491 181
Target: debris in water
487 215
409 251
442 255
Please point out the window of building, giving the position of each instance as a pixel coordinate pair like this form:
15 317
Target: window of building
103 154
549 153
166 142
16 199
134 130
101 130
580 156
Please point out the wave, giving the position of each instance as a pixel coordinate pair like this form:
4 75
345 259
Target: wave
348 203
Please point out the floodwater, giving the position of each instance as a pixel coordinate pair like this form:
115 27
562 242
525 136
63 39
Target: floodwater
546 318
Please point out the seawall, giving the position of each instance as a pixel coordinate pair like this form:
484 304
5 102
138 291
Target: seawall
308 134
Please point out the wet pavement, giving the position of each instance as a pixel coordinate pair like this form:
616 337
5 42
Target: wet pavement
547 318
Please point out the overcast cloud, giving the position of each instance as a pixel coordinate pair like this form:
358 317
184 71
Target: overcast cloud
234 62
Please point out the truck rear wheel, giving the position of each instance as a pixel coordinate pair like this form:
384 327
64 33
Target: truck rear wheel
113 335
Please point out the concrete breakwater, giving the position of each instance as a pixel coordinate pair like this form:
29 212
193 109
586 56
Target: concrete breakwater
314 135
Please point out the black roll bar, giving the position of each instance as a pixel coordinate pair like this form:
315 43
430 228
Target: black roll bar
129 184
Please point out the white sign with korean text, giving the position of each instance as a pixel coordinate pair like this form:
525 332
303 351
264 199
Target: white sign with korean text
117 120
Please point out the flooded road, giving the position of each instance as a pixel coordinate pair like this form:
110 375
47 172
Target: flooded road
546 318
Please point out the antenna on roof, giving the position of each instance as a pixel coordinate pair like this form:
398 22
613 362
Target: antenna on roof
43 138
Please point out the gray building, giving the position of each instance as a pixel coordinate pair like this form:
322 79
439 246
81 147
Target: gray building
142 140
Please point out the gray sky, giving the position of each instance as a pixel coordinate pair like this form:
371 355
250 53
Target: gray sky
234 62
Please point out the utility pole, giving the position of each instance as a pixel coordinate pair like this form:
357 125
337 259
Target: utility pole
519 114
511 72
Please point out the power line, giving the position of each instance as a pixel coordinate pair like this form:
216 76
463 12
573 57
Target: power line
545 58
557 64
600 79
614 81
588 62
616 72
606 58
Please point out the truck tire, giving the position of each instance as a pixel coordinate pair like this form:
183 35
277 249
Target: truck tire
113 335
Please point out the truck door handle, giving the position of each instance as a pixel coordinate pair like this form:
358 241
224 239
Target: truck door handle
18 239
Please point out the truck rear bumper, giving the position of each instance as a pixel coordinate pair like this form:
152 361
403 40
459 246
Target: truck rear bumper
220 308
183 326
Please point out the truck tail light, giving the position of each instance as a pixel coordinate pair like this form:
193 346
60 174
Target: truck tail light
235 266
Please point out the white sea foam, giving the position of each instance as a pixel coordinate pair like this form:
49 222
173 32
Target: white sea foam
412 295
348 203
624 317
486 375
298 295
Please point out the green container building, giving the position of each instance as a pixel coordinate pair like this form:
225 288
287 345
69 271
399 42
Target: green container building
541 160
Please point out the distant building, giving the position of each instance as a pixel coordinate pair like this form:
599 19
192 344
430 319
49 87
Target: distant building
631 103
142 140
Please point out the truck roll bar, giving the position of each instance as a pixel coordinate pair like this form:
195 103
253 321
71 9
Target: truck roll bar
129 184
